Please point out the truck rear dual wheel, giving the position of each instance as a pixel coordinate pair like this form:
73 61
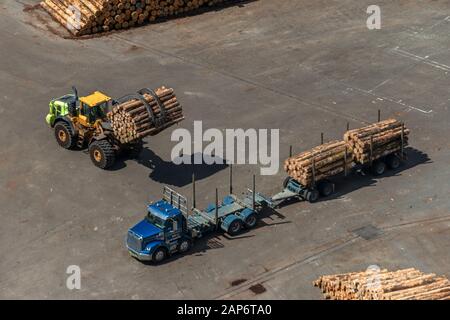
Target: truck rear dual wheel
235 227
286 182
102 154
64 135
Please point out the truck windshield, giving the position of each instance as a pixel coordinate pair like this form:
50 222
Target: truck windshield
155 220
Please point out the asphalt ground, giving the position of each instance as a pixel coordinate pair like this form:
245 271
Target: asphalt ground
304 67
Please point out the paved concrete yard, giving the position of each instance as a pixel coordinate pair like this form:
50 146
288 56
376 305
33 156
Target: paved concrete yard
302 66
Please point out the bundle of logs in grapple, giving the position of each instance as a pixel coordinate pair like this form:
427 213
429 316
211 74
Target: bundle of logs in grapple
82 17
377 140
320 162
374 284
132 120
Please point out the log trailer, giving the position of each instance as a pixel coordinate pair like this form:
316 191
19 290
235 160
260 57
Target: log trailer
170 226
325 187
81 122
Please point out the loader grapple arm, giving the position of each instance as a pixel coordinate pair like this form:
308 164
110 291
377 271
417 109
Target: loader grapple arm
156 121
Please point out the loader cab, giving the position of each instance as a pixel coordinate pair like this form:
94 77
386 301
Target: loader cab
93 107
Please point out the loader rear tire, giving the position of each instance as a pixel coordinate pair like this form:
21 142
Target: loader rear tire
102 154
64 135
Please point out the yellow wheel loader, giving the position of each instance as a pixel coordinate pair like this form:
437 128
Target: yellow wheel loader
81 122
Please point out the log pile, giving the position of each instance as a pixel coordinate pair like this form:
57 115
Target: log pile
379 139
83 17
406 284
131 120
319 163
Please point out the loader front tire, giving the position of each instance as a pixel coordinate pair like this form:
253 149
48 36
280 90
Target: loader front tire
64 135
102 154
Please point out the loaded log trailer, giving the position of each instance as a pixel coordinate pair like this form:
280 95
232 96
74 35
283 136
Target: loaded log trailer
372 148
170 226
110 127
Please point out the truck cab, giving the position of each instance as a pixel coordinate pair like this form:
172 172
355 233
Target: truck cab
163 231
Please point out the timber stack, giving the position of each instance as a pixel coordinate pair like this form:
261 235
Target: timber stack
83 17
377 140
132 120
406 284
319 163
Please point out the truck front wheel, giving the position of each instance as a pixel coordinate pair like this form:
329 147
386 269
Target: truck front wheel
64 135
102 154
159 255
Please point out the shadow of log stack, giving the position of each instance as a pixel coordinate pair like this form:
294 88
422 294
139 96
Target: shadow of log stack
84 17
407 284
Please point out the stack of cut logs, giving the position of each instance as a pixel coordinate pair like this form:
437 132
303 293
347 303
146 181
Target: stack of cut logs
377 140
82 17
407 284
320 162
131 120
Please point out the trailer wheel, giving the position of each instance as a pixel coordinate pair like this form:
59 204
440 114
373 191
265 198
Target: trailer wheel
184 246
159 255
312 196
102 154
235 227
251 221
378 168
393 162
64 135
326 188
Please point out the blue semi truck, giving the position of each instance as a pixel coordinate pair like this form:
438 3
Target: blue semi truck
170 226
